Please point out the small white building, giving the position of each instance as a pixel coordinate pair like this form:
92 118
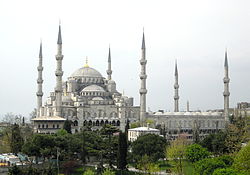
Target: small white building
134 133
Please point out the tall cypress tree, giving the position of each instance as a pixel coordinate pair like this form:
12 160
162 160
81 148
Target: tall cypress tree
122 151
67 126
16 142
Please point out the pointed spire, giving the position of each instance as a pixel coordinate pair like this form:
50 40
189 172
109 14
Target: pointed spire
59 40
109 58
176 70
40 51
143 41
226 62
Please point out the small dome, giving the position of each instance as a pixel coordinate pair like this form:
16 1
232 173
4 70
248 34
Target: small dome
87 72
93 88
66 99
97 98
111 82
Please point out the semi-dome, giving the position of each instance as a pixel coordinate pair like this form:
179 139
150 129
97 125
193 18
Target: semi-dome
93 88
87 72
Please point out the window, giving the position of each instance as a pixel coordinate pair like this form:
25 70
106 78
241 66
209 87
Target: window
57 126
53 126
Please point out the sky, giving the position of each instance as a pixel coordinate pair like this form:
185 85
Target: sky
196 33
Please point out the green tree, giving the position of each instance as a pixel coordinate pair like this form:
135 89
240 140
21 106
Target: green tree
176 152
16 141
122 151
67 126
242 160
108 172
226 171
196 152
215 143
208 166
149 144
89 172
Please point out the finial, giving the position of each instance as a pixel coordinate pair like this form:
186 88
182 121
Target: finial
40 51
86 62
59 40
143 41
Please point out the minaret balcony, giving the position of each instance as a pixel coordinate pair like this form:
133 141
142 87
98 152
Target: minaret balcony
226 93
226 80
59 73
176 97
40 68
39 93
176 86
109 72
143 62
39 81
59 57
143 76
143 91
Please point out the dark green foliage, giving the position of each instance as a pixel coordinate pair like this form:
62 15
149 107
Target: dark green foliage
122 151
196 152
208 165
151 145
15 171
16 141
226 171
215 143
67 126
228 160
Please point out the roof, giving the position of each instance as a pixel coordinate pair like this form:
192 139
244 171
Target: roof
144 129
189 113
48 118
93 88
86 72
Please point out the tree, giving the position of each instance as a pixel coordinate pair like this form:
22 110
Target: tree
226 171
146 165
208 165
149 144
67 126
16 141
176 152
108 172
196 152
88 172
215 143
242 160
122 151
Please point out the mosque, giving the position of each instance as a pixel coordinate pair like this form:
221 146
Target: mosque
87 98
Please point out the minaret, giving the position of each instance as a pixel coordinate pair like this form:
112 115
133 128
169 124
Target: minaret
109 71
226 92
39 93
176 90
143 77
59 74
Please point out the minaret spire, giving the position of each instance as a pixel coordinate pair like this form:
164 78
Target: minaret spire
59 74
143 77
39 93
109 71
176 90
226 92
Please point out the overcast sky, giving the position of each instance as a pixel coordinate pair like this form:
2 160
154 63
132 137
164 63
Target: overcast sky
195 32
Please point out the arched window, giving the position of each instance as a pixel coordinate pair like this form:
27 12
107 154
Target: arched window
118 123
97 123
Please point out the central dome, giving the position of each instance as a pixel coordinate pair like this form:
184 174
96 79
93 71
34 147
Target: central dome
87 72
